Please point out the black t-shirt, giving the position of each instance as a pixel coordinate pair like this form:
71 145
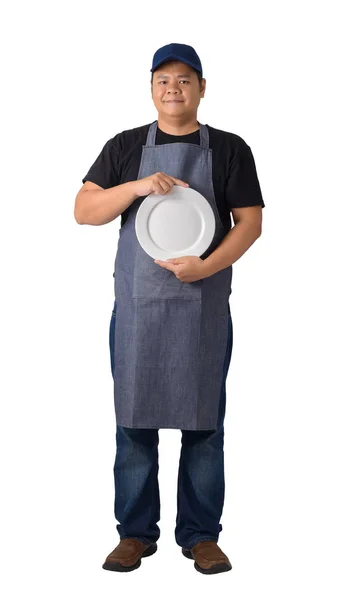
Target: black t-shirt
234 175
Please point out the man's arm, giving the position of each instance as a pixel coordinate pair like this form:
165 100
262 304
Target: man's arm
247 228
96 206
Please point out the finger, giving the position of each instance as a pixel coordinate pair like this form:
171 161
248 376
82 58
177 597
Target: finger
164 264
174 180
159 187
168 183
179 182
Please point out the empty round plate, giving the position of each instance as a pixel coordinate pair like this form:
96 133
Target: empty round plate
180 223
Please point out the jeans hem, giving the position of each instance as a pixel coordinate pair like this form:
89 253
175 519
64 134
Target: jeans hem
140 539
200 539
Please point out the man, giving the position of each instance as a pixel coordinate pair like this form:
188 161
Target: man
171 327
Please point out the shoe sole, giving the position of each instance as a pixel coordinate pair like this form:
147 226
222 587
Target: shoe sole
116 566
219 568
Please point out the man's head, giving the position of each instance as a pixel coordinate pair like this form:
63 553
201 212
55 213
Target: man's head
177 75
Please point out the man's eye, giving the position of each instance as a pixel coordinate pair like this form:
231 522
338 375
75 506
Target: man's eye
184 80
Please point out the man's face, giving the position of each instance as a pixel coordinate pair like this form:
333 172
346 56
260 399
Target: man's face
176 89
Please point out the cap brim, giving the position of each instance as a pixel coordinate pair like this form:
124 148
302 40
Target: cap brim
174 57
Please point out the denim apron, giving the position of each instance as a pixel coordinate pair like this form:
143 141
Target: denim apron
170 336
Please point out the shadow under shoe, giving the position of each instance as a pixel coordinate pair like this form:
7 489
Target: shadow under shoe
127 555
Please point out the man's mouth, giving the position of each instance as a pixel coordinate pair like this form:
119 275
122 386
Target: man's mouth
171 101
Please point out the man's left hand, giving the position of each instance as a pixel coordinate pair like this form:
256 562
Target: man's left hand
186 268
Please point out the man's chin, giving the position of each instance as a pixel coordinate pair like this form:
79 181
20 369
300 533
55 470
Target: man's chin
174 108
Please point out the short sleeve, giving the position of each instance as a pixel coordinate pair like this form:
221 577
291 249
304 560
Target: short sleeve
104 171
243 188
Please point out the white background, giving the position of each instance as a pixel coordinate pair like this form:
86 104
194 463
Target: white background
279 74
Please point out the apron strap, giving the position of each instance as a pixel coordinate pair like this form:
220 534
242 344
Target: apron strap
204 137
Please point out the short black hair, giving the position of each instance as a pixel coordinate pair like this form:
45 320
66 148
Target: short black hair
197 73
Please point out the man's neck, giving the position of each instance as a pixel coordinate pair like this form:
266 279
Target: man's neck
178 126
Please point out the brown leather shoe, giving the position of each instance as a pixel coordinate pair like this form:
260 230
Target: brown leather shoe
209 558
127 555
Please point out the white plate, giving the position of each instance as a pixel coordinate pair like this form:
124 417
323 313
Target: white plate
180 223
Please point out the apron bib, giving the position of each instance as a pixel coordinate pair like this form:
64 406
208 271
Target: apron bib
170 336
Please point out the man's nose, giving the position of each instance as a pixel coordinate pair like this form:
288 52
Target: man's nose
173 89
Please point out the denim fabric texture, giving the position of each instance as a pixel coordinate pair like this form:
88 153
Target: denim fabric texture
201 487
170 335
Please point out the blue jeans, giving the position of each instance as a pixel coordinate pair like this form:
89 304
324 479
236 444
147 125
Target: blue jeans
200 494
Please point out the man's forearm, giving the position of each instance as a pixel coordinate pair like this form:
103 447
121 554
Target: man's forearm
98 207
233 246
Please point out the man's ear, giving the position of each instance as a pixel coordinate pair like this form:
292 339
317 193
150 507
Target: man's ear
203 87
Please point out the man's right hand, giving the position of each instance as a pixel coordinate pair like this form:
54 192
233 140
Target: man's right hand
158 183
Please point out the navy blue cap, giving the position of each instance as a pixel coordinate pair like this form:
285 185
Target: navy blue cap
181 52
